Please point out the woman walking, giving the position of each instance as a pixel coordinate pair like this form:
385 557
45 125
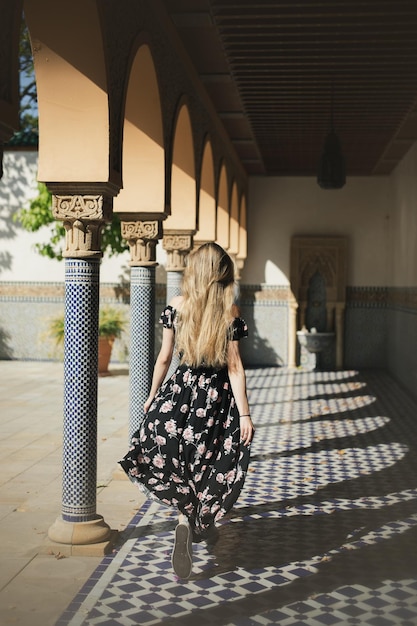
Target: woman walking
192 448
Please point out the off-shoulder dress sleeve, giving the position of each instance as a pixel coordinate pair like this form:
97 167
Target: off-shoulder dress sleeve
167 317
240 329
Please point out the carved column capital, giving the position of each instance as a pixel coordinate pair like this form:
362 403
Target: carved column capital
142 237
84 217
177 246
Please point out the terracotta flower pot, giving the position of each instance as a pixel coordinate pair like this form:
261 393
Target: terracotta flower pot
105 345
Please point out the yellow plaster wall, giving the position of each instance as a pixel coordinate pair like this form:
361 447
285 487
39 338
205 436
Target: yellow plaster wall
223 216
72 91
207 199
143 145
183 189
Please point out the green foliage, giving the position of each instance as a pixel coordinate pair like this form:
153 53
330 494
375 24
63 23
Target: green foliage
39 214
112 242
56 330
112 323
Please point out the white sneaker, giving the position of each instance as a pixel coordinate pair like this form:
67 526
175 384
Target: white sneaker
182 554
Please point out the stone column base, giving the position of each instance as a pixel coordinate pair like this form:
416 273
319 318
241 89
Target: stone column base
93 538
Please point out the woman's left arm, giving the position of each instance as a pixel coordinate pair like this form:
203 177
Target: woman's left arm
237 379
162 364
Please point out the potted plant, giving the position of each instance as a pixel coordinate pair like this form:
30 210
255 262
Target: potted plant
111 324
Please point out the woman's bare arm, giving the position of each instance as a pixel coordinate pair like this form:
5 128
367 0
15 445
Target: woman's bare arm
237 379
164 357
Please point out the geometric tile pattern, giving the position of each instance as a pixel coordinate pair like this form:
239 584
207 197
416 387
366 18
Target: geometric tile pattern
142 312
174 281
324 532
80 389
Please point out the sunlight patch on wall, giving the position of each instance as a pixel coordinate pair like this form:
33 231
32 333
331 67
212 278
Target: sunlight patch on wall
274 276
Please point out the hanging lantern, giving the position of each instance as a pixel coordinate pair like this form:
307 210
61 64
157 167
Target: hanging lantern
332 172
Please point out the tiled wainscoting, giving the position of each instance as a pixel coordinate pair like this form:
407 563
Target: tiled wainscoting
380 324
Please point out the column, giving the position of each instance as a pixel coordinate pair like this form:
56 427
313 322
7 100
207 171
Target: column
177 245
330 322
83 217
1 157
339 328
292 332
142 237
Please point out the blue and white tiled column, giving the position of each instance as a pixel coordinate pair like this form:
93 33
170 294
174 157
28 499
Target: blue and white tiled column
80 389
177 245
83 217
142 237
174 280
142 340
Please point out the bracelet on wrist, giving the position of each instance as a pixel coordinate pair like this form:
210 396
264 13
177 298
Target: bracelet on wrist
245 415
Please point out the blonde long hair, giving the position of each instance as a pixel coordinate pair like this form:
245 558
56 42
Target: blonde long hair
205 316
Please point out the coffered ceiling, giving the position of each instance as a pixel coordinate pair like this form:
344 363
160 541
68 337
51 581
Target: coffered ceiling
273 68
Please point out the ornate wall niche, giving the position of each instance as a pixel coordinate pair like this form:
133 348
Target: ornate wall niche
324 257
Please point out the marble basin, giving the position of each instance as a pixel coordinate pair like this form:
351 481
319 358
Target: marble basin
315 342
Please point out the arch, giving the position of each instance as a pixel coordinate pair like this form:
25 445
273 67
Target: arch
183 186
223 216
72 90
143 143
207 198
11 14
234 221
243 233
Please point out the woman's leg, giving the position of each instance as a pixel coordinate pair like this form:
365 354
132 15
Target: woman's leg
182 554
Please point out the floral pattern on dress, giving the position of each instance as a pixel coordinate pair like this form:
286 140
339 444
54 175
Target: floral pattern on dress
187 452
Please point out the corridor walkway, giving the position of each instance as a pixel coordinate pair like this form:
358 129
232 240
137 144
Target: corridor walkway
325 531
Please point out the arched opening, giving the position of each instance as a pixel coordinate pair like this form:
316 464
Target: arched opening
183 188
243 233
143 145
234 222
223 221
207 199
71 84
9 92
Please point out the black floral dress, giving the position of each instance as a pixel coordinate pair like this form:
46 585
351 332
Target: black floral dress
187 452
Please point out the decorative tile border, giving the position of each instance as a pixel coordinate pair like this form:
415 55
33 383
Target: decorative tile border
20 291
395 298
265 295
400 298
403 298
53 292
369 297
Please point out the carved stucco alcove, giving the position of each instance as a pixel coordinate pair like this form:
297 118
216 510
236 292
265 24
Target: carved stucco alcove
318 273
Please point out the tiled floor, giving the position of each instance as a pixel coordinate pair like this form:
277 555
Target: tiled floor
324 533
